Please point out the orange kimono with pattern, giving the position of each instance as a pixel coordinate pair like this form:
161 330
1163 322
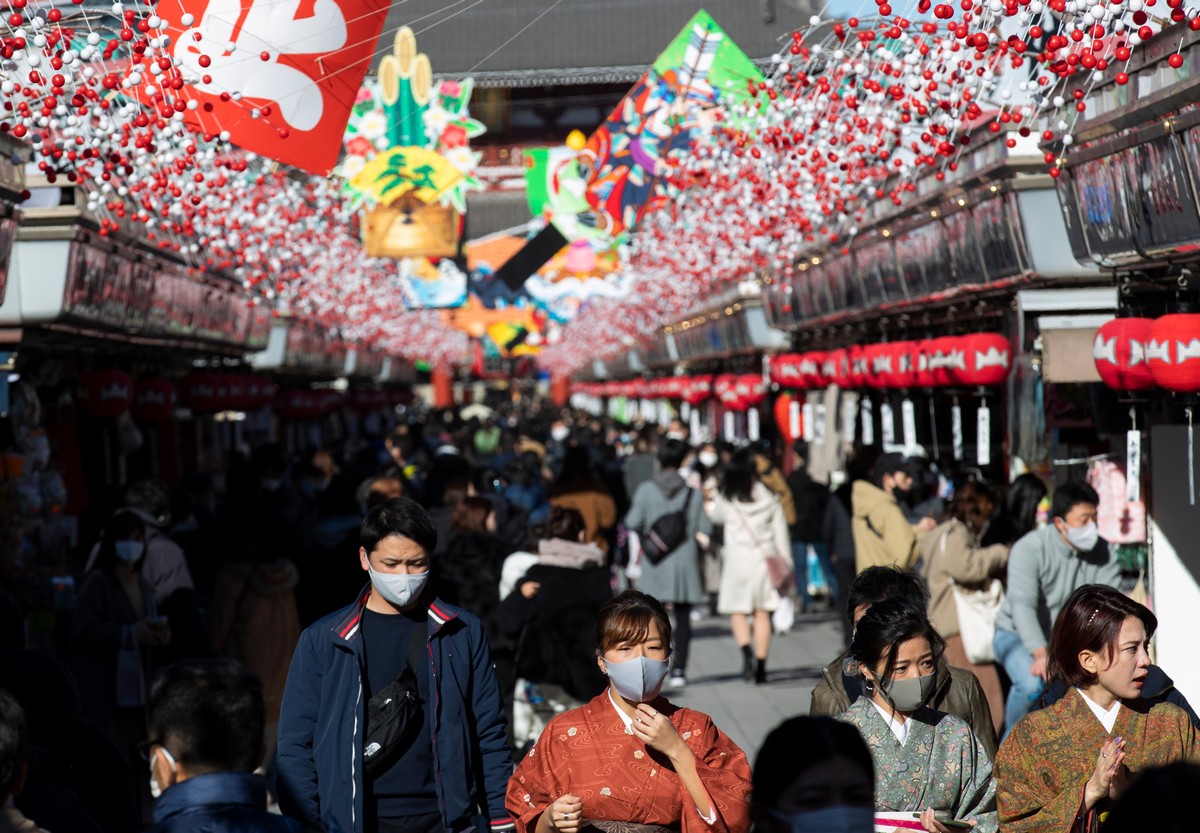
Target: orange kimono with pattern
589 753
1044 765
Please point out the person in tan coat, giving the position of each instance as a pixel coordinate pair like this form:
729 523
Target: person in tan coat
956 690
883 536
578 488
770 475
952 555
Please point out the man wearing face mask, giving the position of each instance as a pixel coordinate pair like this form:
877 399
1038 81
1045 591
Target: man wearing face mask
1045 567
883 536
205 723
448 768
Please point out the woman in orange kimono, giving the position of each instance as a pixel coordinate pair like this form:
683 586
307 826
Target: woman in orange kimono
629 761
1061 768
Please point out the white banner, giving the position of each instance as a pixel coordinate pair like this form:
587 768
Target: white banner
983 435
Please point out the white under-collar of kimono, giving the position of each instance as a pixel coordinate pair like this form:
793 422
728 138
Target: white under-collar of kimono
899 728
1107 717
626 719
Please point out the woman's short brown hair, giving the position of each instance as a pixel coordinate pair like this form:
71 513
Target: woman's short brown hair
626 619
1091 620
470 515
974 504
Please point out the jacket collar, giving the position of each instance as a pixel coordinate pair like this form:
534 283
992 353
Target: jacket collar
217 788
347 628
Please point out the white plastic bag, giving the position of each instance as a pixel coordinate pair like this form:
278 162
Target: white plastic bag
784 616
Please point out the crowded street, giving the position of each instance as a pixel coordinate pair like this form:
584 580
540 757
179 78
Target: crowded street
586 416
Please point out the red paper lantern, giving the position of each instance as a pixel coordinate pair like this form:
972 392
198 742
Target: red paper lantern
206 393
1119 352
879 365
1174 352
785 370
857 375
923 374
836 367
725 390
153 400
811 371
696 389
751 391
105 393
783 417
987 360
947 359
260 391
296 403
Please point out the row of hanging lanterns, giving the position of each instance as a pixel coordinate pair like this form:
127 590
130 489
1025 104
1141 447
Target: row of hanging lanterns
1133 354
975 360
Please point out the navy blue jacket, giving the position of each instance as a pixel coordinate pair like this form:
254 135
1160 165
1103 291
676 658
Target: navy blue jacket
222 802
323 717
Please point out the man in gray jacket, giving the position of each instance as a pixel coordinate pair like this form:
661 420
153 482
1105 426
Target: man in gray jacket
1045 567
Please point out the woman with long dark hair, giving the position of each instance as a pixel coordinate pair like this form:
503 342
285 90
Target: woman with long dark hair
578 487
1062 767
629 761
1024 509
756 531
928 764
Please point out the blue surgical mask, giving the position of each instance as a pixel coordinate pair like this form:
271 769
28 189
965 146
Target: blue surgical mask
129 551
399 588
638 680
840 818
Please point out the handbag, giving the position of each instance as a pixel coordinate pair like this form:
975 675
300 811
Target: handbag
667 533
780 571
131 681
976 611
394 713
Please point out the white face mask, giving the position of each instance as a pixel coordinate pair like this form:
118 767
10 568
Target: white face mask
708 459
559 433
1083 538
129 551
399 588
155 789
839 818
638 680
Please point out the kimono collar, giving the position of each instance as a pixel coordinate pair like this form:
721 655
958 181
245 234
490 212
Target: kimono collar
1107 717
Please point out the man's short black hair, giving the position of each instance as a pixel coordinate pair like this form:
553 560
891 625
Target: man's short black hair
672 453
1069 495
209 715
12 742
875 584
402 518
892 463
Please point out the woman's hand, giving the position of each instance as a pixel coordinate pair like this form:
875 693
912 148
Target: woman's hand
929 822
1109 762
657 732
153 632
529 589
565 814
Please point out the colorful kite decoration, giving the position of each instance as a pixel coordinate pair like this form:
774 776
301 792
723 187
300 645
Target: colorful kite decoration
276 78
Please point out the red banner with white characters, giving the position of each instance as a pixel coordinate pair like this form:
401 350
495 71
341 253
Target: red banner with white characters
279 75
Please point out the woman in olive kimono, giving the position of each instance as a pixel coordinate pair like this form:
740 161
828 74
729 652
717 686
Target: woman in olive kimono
927 763
1062 767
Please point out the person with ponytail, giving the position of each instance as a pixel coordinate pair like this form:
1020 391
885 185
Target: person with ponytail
1062 767
931 772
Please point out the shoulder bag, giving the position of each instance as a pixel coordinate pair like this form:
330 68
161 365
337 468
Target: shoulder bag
976 611
394 712
668 533
779 569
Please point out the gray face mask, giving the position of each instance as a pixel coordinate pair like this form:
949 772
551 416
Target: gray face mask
910 694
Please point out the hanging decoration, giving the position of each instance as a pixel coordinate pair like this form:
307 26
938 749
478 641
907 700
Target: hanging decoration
1119 352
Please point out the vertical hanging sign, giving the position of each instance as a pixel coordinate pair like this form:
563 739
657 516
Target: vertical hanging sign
752 425
1133 465
819 427
868 423
809 422
956 434
887 422
983 435
794 427
730 427
908 418
849 422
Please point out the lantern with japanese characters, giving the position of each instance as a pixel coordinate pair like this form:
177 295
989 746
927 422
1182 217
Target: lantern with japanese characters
785 370
106 393
725 390
153 400
811 370
696 389
1173 352
986 360
1119 351
750 391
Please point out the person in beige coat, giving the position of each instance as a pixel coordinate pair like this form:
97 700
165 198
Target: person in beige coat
883 537
952 555
755 530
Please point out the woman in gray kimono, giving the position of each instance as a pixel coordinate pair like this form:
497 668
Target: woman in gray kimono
928 764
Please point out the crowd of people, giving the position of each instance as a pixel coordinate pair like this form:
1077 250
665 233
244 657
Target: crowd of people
473 624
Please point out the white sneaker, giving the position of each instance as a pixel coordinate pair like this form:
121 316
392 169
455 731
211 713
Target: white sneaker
677 680
695 615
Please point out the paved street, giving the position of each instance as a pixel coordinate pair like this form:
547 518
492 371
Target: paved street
744 711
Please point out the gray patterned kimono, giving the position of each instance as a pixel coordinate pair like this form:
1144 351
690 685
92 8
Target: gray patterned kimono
941 765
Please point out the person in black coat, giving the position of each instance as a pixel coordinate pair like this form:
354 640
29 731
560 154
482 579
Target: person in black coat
550 609
809 498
